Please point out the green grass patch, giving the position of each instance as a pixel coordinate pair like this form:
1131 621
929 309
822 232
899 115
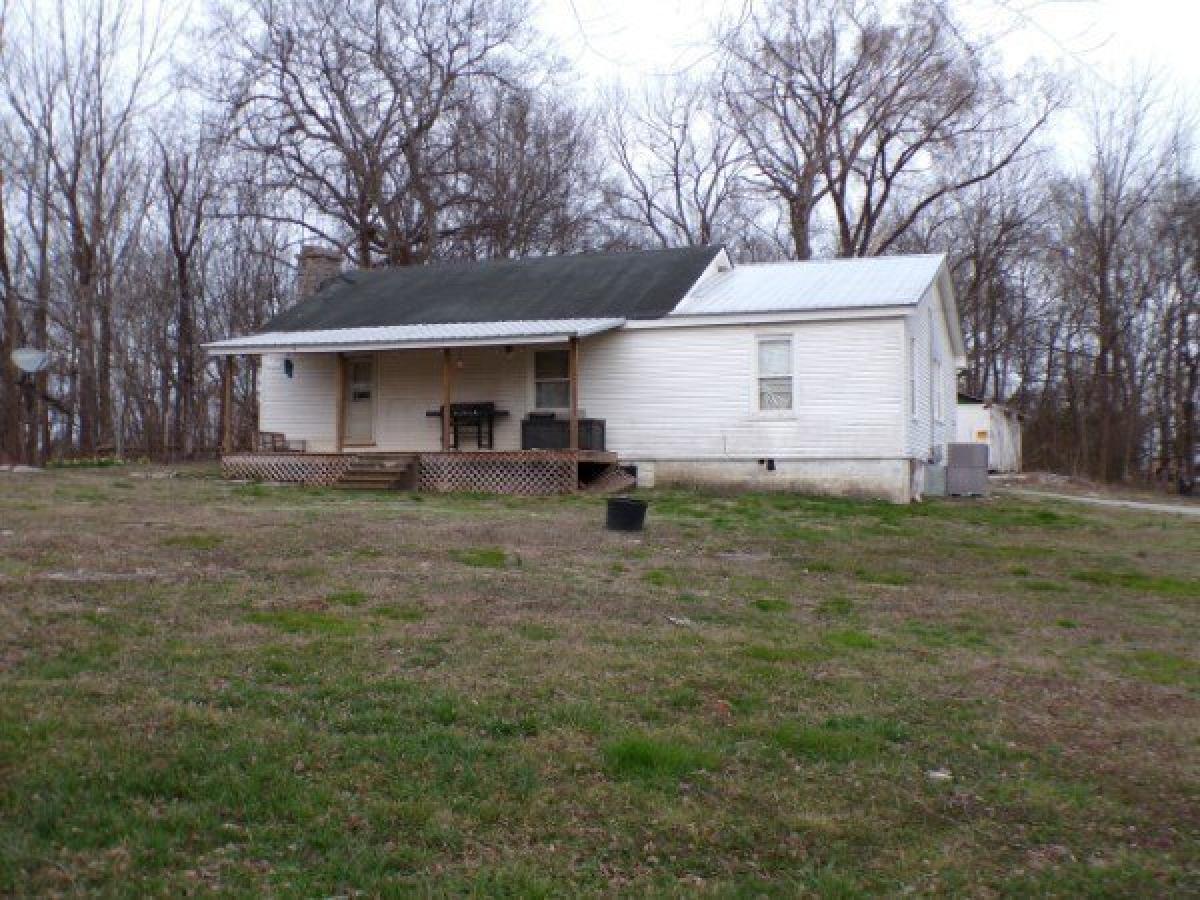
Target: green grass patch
198 541
850 639
1045 586
895 579
661 578
401 612
100 656
836 607
1163 585
840 739
88 462
655 757
533 631
346 598
773 653
481 557
296 621
943 634
1000 516
771 604
1163 668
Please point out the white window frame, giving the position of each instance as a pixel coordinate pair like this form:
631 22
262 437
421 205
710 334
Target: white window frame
756 390
534 380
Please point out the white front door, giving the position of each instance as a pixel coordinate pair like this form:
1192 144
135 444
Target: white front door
359 401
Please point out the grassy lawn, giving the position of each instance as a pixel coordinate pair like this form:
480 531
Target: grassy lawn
244 689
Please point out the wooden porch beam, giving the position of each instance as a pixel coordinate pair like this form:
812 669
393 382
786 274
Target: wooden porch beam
340 409
573 375
447 369
227 406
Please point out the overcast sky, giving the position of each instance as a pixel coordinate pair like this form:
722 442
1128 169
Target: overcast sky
635 40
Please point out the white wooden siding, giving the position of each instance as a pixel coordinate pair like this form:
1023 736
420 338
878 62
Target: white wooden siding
923 432
664 393
690 393
303 406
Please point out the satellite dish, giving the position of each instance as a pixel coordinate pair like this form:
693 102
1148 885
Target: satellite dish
29 360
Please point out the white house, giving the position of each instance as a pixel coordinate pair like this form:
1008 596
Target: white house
832 376
994 424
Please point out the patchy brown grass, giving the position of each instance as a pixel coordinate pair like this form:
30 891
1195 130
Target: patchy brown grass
249 689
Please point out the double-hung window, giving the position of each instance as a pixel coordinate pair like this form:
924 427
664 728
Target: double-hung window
775 389
551 380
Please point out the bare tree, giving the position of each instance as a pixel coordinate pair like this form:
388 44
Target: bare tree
846 109
356 106
528 176
680 167
77 96
187 178
1106 216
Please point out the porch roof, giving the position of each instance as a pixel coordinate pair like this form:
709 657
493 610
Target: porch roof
399 337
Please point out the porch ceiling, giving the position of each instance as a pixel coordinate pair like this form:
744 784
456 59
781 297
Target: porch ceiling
406 337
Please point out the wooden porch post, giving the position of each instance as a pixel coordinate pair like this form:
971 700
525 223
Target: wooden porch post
573 375
227 405
340 411
446 377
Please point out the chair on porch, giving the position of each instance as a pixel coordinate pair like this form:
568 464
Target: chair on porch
278 442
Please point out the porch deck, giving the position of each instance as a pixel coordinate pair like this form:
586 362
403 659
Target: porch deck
487 471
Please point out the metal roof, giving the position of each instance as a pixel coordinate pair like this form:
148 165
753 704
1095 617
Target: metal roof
644 284
388 337
814 285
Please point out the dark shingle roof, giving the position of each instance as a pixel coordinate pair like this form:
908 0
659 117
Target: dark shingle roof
638 285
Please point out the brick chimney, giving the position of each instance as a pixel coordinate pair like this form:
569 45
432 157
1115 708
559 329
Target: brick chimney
315 265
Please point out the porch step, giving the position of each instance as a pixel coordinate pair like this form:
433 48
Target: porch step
378 472
612 480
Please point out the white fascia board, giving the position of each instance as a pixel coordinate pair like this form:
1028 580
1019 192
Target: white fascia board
719 263
944 288
351 340
367 346
814 315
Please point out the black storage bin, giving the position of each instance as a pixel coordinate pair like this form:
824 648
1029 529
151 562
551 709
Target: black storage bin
625 514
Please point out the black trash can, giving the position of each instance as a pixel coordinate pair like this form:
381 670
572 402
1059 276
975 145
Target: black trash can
626 514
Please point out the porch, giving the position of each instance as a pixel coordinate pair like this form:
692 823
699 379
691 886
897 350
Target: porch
527 472
492 407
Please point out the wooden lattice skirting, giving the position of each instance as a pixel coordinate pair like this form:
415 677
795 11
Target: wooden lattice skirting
498 473
315 469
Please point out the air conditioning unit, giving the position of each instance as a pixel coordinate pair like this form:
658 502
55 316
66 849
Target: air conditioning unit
967 470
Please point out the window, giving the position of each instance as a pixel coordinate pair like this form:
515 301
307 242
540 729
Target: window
551 380
362 379
774 373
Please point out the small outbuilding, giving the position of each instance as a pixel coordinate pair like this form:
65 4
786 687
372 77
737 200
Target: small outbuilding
999 426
